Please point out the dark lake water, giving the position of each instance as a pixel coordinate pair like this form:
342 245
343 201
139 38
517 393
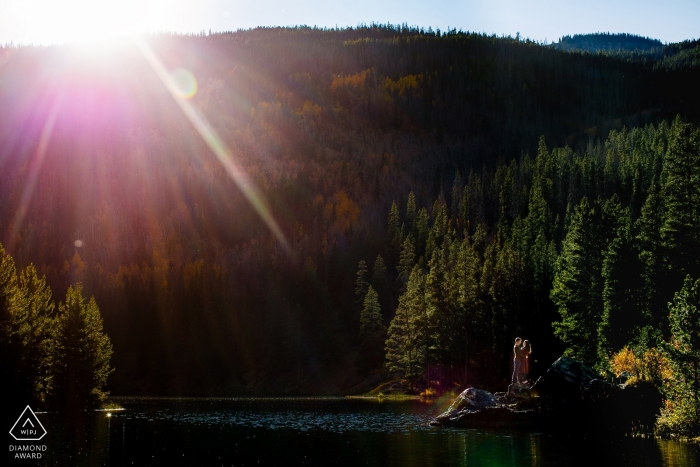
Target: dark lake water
264 432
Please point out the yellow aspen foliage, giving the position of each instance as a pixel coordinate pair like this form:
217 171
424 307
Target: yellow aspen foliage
356 80
652 366
346 211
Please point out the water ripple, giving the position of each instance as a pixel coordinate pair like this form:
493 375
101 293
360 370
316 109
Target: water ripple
304 420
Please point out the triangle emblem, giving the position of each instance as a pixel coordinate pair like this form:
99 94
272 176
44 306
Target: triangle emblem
27 427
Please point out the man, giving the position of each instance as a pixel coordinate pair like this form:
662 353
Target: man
517 360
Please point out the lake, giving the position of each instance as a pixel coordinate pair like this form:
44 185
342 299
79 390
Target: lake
320 431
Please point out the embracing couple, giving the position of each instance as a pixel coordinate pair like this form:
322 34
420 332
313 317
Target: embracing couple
521 360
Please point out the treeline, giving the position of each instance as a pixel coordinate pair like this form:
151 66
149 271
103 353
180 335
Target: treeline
608 42
586 249
52 356
105 182
681 58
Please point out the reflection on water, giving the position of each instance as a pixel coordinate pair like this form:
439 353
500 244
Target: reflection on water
321 432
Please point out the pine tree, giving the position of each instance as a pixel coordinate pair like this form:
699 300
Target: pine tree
371 327
407 334
577 287
441 300
655 293
440 228
469 301
407 260
12 321
361 282
410 211
421 230
379 273
622 317
36 334
80 354
394 231
680 232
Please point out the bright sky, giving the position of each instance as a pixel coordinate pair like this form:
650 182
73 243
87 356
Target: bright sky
58 21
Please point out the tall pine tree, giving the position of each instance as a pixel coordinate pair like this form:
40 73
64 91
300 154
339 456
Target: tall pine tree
80 355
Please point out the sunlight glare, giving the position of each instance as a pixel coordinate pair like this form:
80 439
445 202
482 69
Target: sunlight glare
217 146
86 22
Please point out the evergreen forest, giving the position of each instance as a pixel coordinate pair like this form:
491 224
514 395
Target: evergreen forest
313 211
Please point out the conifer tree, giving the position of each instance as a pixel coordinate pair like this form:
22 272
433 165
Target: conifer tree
410 211
469 300
422 230
36 334
12 321
10 298
360 281
438 230
407 260
440 296
622 317
407 334
654 294
577 288
394 231
371 327
681 192
379 273
80 354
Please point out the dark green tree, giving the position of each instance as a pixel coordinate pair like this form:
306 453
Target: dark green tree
394 227
470 302
623 317
361 282
407 260
379 273
371 327
410 211
653 296
421 231
577 290
407 334
80 354
681 193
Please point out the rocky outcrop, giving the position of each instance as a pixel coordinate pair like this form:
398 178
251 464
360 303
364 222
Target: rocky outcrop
569 396
478 408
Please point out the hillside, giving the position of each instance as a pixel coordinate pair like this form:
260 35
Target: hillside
606 42
105 180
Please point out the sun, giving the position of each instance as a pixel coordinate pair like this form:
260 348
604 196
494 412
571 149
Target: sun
84 21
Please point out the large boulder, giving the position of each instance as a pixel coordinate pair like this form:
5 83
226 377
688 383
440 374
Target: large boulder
478 408
566 377
569 397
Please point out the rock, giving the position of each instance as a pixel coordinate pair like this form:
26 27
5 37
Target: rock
570 397
479 408
519 391
566 377
475 399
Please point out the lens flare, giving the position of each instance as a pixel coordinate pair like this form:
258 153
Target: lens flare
217 146
185 83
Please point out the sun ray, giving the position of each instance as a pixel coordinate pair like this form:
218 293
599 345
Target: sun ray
217 146
35 169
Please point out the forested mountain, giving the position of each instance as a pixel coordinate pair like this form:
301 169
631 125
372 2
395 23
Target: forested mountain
363 144
608 42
